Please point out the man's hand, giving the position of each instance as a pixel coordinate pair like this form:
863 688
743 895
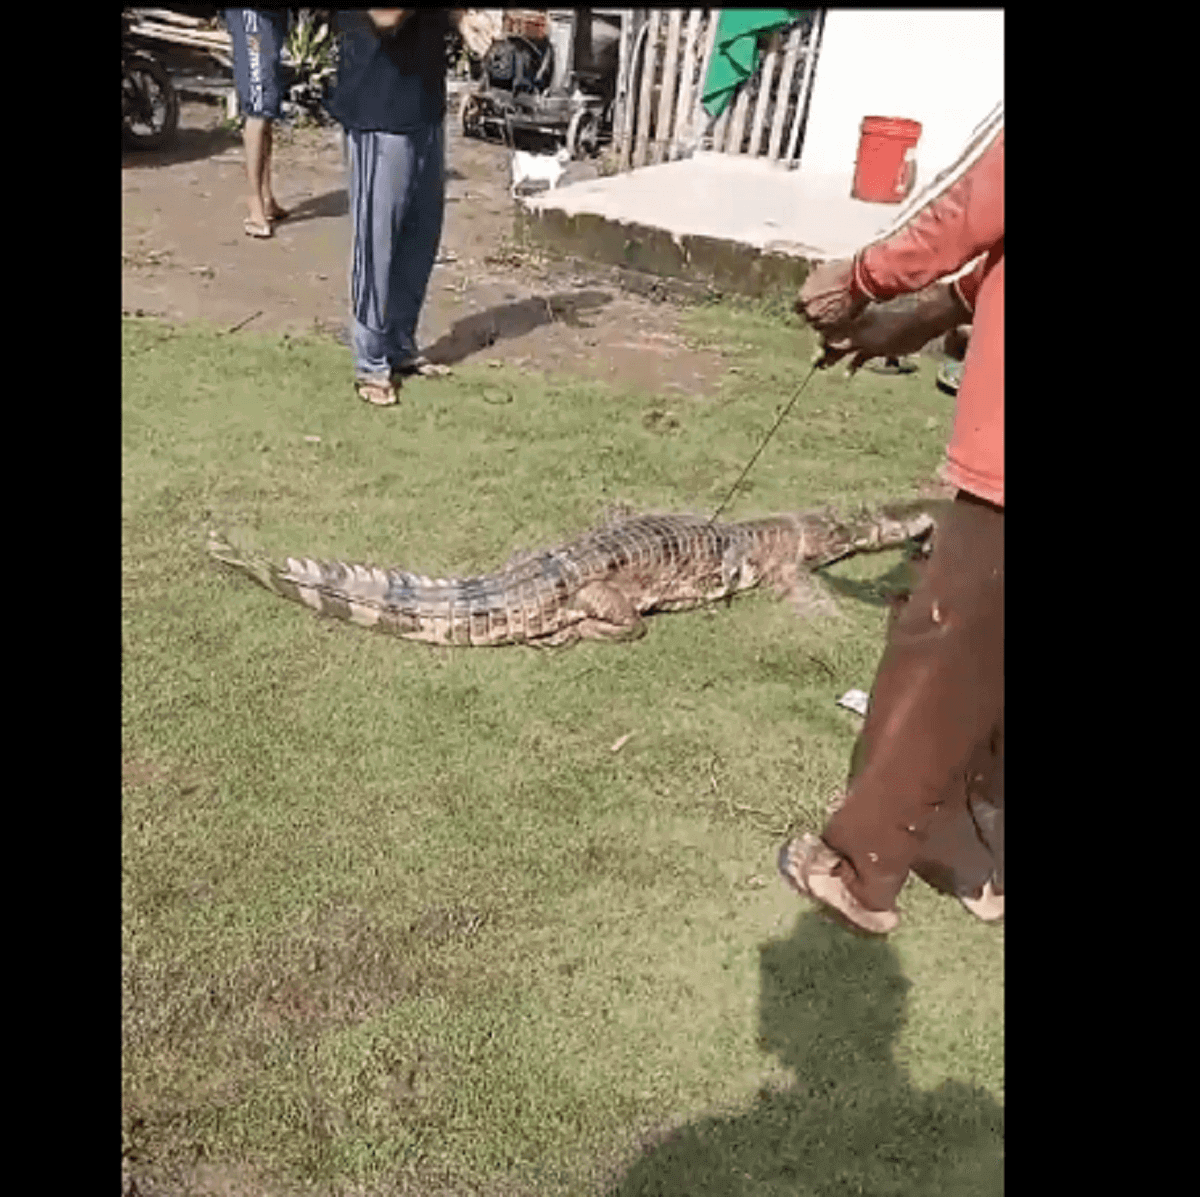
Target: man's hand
828 298
880 333
477 28
876 334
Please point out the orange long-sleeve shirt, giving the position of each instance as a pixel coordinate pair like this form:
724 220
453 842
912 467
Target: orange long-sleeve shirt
962 224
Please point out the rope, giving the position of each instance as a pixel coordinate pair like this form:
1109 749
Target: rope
766 440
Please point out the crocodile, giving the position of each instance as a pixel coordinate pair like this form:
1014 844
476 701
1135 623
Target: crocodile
597 587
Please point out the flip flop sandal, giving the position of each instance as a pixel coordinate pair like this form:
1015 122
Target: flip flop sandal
422 366
989 906
949 377
279 214
790 867
807 865
379 392
892 365
253 229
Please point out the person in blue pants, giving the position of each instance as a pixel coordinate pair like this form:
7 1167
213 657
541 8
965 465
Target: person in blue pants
258 36
390 97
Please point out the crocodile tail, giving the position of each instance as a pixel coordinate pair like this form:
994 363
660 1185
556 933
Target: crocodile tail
258 568
331 588
393 601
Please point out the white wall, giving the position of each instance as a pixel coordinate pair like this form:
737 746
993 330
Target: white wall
942 67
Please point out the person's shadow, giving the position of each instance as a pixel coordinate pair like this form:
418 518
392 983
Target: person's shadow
475 333
832 1007
188 145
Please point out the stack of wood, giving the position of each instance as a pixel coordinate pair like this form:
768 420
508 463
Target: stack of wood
531 23
162 24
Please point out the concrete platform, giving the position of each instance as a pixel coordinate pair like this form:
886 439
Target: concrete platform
725 223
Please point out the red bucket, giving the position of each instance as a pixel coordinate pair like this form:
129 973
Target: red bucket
886 168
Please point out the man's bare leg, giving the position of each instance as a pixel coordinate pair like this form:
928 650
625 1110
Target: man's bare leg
269 204
257 140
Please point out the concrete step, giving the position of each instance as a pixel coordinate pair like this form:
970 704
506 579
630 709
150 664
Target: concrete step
723 223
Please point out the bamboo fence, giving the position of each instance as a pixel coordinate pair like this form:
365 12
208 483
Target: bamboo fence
664 60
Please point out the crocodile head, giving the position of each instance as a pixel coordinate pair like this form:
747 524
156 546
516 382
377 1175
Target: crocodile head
870 531
899 522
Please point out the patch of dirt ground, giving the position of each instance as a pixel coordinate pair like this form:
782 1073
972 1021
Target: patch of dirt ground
185 256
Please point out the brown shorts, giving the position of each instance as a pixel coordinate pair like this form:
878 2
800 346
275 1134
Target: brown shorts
926 791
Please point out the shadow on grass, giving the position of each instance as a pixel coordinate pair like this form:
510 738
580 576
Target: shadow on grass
832 1008
482 329
877 592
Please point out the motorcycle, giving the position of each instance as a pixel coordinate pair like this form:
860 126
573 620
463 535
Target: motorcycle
149 102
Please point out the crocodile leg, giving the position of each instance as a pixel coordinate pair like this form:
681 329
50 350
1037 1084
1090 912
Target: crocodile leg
609 615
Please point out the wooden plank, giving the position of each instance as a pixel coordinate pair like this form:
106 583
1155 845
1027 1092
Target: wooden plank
737 127
720 134
783 93
683 109
632 83
637 114
666 97
169 16
699 115
765 79
814 40
176 34
621 100
649 63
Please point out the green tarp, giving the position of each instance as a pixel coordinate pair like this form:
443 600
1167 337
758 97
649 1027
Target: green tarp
735 51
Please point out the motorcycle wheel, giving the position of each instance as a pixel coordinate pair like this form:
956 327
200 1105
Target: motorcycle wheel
583 135
150 105
468 115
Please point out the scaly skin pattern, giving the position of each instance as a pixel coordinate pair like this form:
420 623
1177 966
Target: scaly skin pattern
597 587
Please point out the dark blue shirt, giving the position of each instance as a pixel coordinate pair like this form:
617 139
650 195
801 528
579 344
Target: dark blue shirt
390 84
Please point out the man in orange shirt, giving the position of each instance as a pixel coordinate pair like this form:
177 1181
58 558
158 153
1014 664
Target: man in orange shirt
926 791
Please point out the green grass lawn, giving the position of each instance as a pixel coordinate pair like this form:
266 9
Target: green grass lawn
396 919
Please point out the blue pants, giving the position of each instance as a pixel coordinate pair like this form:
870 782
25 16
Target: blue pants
397 198
258 39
